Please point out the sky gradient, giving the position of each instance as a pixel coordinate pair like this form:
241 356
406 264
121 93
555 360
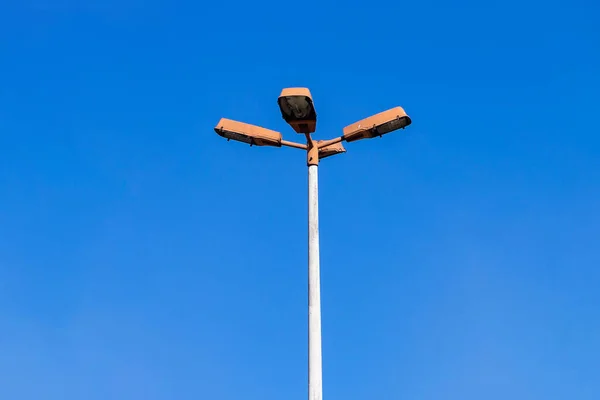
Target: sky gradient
144 257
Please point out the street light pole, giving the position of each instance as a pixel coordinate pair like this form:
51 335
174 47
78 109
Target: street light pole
315 369
298 110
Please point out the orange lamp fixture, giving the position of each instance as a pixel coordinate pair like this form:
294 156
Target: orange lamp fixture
298 110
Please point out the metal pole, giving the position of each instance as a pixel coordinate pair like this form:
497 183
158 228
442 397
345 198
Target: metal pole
315 373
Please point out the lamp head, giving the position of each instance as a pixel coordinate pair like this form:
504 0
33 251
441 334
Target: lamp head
246 133
298 110
377 125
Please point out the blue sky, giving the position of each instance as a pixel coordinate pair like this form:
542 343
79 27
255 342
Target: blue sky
144 257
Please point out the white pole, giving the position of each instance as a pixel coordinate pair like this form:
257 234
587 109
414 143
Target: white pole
315 374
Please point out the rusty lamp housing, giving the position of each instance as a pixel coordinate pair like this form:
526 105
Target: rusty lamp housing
298 110
377 125
247 133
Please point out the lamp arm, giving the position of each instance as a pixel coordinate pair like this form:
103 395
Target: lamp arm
293 144
331 141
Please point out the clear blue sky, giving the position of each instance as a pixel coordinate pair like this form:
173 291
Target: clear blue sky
144 257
